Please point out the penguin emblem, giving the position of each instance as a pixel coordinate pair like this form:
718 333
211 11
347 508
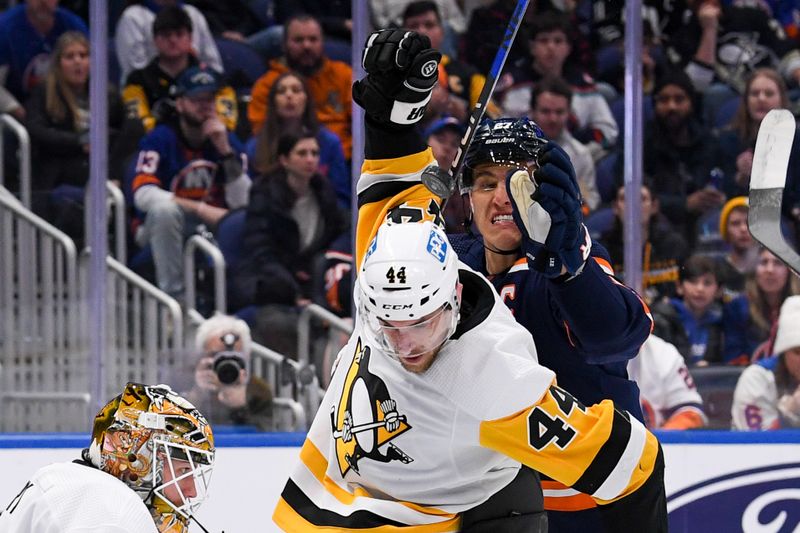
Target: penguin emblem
366 419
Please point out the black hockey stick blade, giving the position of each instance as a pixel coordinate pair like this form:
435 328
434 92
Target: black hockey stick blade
767 181
441 182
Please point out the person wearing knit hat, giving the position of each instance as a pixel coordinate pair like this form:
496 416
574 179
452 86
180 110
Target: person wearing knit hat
678 78
742 255
767 395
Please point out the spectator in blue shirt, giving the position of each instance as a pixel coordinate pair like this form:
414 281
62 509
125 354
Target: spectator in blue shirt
693 321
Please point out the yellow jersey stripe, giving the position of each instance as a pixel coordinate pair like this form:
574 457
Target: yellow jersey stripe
317 464
402 165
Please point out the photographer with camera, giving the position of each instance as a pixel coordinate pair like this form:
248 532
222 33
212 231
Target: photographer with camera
223 388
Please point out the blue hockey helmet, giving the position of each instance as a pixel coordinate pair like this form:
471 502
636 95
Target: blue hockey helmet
502 141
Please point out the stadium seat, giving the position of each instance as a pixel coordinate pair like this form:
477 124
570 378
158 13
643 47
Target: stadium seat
606 177
599 222
608 59
114 71
716 385
228 235
725 113
242 64
338 50
618 111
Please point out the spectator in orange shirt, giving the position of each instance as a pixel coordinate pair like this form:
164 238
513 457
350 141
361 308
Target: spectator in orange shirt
328 81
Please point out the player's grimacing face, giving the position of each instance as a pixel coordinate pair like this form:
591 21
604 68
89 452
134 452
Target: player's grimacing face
491 207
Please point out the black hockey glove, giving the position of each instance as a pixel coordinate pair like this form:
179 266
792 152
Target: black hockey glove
402 69
547 209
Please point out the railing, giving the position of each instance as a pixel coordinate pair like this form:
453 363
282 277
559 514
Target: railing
200 242
280 373
116 199
44 367
145 331
7 121
42 349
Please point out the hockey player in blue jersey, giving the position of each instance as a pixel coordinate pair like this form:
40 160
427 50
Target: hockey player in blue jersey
533 247
437 399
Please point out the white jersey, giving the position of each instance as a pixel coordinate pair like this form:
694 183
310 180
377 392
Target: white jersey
389 447
755 400
74 498
666 387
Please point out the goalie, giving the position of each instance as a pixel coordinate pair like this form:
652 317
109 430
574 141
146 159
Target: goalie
437 401
146 470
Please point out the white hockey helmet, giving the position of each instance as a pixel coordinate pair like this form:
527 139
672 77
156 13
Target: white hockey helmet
154 440
408 286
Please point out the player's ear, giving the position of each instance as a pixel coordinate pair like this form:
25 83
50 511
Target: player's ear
459 288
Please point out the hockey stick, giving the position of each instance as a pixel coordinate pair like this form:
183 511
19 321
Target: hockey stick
767 181
440 182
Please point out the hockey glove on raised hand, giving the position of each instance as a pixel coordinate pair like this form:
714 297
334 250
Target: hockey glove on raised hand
547 210
402 69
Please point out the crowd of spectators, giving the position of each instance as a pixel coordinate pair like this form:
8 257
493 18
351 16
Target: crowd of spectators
194 138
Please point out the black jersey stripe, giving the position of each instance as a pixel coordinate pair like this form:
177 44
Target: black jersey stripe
383 190
383 141
609 455
303 505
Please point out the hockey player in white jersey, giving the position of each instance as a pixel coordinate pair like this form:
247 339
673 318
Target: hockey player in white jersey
668 396
146 470
437 400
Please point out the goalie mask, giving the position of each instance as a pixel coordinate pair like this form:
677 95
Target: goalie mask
159 445
408 289
505 141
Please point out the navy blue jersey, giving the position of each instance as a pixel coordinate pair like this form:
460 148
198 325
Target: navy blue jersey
167 161
585 329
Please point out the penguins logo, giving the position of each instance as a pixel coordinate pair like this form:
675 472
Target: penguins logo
366 420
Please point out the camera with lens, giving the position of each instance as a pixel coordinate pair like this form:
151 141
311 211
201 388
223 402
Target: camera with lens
228 362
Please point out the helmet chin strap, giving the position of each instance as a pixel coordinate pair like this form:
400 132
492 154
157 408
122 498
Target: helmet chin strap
498 251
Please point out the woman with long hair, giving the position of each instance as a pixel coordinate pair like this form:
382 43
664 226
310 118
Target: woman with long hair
290 109
58 124
767 395
292 217
764 91
751 319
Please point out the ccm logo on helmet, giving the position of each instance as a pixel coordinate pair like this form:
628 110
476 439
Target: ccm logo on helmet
397 307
